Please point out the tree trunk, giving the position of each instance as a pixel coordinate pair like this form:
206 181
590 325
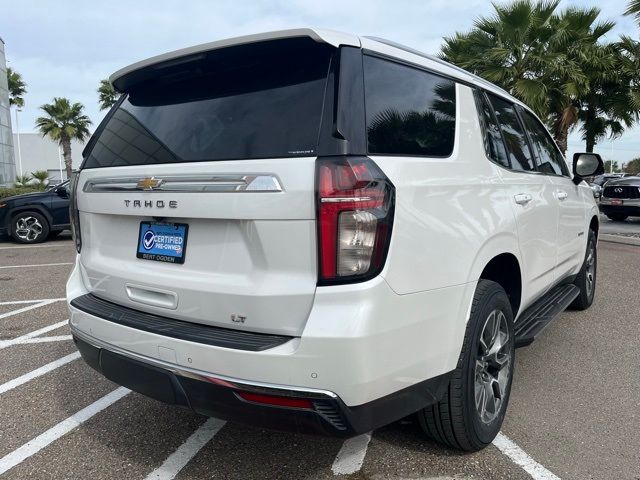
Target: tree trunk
588 129
562 138
66 153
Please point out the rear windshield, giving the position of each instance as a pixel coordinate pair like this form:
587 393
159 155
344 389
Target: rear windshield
251 101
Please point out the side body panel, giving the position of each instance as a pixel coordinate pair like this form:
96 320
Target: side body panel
573 225
449 211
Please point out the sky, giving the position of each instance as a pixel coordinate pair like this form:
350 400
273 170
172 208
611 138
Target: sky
63 49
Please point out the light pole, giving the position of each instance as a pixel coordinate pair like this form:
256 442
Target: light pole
18 141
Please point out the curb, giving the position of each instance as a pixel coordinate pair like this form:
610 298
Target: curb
605 237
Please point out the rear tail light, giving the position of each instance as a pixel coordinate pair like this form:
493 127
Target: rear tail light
74 216
355 213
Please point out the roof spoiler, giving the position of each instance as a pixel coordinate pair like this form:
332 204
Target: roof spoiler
125 78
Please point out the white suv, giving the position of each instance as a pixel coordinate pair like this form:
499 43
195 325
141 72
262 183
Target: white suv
313 231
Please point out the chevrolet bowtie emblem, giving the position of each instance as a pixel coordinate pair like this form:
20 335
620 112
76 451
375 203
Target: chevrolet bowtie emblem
149 183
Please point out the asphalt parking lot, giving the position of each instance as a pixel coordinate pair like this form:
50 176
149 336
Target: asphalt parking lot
574 411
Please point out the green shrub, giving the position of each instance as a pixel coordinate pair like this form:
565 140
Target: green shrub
10 192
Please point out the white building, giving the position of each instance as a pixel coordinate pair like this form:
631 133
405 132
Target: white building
35 152
7 168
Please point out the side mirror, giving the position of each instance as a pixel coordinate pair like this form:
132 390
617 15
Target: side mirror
586 165
62 192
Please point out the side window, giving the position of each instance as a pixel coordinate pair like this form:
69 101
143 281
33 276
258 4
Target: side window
493 144
409 111
549 157
514 136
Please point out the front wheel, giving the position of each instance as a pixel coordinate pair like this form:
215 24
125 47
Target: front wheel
470 414
29 227
586 279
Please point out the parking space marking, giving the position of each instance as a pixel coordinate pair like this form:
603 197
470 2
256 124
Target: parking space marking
58 338
34 246
192 445
35 333
351 456
41 303
36 444
38 372
39 265
522 459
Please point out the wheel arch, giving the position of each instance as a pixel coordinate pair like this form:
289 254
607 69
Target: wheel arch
499 260
594 225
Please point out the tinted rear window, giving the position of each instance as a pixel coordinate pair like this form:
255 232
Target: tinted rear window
251 101
409 111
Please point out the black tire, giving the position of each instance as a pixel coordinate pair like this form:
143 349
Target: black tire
617 217
455 420
586 279
29 227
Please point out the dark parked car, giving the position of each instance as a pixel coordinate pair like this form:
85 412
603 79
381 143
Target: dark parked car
34 217
621 198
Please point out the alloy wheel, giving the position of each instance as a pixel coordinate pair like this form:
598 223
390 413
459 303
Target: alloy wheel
591 269
493 366
28 229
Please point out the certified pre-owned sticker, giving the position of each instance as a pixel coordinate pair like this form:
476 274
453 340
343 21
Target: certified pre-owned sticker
162 242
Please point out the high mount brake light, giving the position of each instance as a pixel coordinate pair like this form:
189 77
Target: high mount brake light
355 214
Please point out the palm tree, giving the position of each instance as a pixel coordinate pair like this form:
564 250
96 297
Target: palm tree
23 180
633 9
107 95
65 121
42 177
613 101
537 54
17 88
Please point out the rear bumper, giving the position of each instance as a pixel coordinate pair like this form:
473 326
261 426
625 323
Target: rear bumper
381 355
630 207
218 396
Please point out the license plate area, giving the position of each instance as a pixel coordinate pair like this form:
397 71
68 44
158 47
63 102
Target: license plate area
162 242
616 201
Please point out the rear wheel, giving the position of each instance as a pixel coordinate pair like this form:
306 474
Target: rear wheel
29 227
586 279
617 217
470 414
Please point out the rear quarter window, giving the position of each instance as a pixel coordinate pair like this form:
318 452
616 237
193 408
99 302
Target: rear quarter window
408 111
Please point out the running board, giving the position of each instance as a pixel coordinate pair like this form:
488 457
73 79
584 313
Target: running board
539 315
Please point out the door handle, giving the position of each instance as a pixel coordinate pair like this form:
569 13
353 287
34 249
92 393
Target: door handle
562 195
522 198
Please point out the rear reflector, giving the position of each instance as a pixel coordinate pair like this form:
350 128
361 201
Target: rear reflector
276 401
355 214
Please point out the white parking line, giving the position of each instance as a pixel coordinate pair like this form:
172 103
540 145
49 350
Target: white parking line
38 372
54 433
351 456
57 338
39 265
520 458
17 247
42 303
35 333
178 459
